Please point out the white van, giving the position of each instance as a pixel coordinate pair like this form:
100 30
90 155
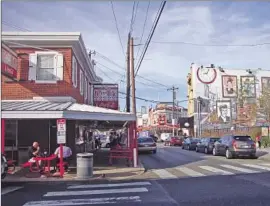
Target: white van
165 136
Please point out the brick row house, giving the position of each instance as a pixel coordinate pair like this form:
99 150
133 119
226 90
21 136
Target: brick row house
53 79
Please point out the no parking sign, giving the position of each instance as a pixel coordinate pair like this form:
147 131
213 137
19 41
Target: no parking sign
61 131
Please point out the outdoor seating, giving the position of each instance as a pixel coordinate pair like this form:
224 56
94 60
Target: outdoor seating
120 152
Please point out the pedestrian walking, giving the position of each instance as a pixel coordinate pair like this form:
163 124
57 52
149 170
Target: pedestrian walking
258 140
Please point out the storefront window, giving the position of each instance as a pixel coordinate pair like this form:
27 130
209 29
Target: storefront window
11 133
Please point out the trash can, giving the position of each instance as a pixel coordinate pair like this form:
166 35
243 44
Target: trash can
84 165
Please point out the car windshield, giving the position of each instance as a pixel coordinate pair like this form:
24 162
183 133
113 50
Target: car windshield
242 138
145 140
214 139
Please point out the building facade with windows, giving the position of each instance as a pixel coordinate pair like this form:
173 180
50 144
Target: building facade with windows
226 99
50 65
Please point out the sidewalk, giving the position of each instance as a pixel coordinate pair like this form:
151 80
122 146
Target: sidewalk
263 154
102 170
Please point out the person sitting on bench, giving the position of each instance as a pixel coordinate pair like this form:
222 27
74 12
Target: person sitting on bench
66 155
34 151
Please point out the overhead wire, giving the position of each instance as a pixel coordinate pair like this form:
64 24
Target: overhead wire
147 79
14 26
116 25
144 25
211 45
150 36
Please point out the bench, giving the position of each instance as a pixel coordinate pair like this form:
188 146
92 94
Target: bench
120 153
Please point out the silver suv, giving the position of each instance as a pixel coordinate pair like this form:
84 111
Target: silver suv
232 146
4 166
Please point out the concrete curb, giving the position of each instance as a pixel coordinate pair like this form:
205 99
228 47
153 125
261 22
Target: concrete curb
139 171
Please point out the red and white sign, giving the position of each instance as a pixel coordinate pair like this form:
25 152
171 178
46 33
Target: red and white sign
106 96
61 131
9 62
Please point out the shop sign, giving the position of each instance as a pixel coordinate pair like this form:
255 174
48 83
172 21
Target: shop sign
9 62
61 131
106 96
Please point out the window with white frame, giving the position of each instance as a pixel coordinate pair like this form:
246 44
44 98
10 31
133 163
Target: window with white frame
74 71
85 88
46 67
81 82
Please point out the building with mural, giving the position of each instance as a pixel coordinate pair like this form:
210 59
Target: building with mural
221 98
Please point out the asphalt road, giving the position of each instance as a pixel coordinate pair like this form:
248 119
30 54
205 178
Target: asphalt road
173 177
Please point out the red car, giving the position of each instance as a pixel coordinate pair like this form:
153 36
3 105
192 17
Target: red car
173 141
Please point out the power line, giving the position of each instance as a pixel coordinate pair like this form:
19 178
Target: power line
149 80
133 16
13 26
144 25
123 75
116 25
150 36
211 45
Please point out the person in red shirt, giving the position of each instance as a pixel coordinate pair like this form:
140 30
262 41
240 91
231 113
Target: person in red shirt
258 139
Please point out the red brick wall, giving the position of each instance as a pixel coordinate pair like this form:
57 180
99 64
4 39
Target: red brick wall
24 89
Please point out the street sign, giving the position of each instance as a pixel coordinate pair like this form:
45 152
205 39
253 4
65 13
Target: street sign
61 131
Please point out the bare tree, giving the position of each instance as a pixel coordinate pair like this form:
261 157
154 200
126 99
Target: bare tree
264 101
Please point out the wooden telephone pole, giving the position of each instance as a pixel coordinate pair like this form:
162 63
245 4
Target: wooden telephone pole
173 89
128 76
132 76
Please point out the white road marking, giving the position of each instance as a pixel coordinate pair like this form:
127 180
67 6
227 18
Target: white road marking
240 169
257 167
109 200
216 170
189 172
96 192
164 174
109 185
265 164
7 190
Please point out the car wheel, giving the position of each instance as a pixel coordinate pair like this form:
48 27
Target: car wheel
253 156
196 149
154 151
206 150
215 152
228 154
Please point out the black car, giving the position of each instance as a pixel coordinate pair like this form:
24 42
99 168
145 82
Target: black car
190 143
206 144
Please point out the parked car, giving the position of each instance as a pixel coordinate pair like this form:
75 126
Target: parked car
165 136
206 144
4 166
232 146
174 141
154 137
105 141
190 143
147 144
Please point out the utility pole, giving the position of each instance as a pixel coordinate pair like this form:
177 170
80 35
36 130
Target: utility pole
132 76
128 76
173 89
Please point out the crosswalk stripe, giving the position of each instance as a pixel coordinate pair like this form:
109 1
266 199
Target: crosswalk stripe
109 185
7 190
164 174
68 202
240 169
257 166
265 164
189 172
216 170
96 192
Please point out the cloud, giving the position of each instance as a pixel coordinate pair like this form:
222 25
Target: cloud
195 22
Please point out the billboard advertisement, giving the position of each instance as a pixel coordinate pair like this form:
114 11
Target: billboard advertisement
9 62
106 96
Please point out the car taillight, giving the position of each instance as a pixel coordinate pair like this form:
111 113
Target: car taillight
154 144
253 145
234 144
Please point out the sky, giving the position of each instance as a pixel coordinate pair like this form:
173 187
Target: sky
187 28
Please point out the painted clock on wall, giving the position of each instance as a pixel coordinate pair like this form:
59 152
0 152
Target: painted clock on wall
206 75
